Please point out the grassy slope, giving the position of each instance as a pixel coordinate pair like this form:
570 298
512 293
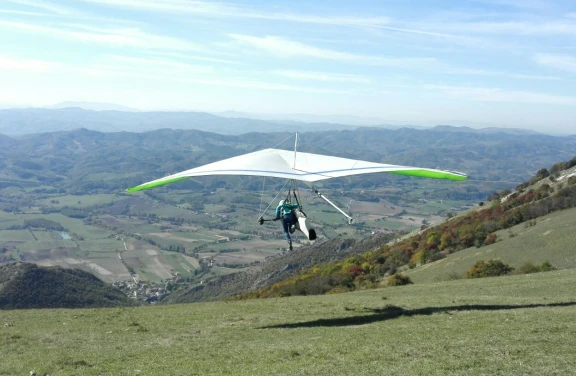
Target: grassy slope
493 326
552 238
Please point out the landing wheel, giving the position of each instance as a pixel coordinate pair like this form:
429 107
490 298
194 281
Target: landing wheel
312 234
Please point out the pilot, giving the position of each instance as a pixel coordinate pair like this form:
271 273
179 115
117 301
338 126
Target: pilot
285 212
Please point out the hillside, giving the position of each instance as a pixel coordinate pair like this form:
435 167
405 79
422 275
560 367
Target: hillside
26 285
479 228
547 238
277 269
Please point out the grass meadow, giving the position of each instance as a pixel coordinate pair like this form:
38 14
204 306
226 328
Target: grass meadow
513 325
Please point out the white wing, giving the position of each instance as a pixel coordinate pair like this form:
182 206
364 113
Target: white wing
305 167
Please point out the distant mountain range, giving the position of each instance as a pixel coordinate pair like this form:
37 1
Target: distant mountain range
104 117
68 159
464 129
311 118
94 106
16 122
359 121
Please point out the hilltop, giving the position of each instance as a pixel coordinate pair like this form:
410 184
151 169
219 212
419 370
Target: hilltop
26 285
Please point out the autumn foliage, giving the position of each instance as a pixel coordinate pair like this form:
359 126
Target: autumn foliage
398 280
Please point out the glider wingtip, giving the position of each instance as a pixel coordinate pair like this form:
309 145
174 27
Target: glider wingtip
135 189
459 175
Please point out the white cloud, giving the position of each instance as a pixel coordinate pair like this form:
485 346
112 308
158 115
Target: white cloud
203 79
118 37
161 65
562 62
509 27
287 48
500 95
260 85
322 76
23 13
216 9
45 5
521 4
7 63
422 32
186 57
482 72
147 70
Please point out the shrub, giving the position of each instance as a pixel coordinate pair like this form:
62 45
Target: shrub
398 280
490 268
490 239
529 268
339 290
546 266
541 174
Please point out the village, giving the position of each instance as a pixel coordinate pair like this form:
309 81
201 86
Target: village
151 292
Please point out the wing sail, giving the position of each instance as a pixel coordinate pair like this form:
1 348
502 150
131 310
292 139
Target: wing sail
305 167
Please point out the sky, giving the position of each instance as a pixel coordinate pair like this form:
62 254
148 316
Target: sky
502 62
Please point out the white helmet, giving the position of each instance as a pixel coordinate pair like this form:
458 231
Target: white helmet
281 203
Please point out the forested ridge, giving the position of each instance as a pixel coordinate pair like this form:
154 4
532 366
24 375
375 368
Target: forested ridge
26 285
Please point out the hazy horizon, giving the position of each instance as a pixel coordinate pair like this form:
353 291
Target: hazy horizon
338 120
508 63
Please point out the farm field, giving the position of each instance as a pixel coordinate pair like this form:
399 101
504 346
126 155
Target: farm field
122 230
522 324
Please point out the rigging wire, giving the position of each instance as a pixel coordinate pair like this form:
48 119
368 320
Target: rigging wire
274 199
286 139
263 182
262 194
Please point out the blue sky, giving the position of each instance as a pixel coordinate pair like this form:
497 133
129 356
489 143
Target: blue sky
505 62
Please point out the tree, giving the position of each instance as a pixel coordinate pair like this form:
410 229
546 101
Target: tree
528 268
399 280
490 268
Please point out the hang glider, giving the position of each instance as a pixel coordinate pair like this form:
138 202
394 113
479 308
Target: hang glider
300 166
293 165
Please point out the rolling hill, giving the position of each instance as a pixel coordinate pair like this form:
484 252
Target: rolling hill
26 286
87 161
